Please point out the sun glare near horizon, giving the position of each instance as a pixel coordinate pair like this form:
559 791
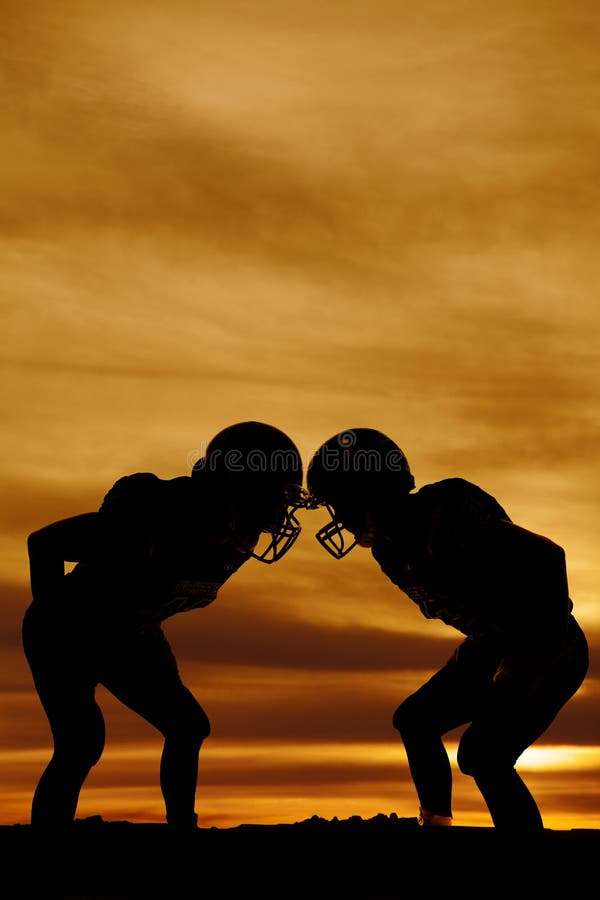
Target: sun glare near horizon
244 783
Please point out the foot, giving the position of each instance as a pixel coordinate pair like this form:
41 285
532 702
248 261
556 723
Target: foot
428 818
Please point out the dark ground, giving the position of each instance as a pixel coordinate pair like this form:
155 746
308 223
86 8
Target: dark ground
383 858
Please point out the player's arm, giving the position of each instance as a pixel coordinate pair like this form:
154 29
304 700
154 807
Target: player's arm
68 540
530 576
533 570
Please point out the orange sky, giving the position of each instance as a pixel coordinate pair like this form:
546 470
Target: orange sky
321 216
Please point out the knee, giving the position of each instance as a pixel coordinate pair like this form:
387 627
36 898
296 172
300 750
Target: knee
406 718
81 751
200 727
475 756
191 725
93 753
467 759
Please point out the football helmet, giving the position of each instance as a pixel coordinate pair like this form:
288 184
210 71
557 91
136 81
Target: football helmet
256 470
356 470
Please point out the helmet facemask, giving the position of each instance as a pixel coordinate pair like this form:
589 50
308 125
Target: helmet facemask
334 537
283 532
352 522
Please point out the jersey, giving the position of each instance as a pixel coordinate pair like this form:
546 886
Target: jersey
156 553
438 558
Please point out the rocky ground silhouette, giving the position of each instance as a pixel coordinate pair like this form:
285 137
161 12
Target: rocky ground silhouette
352 859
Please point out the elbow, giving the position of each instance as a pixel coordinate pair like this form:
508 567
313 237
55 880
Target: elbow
550 555
556 549
557 556
33 541
37 541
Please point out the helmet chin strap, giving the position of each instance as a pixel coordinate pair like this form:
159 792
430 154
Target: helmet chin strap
367 535
367 538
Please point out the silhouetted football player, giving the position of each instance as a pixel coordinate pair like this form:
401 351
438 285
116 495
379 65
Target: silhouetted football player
455 552
154 548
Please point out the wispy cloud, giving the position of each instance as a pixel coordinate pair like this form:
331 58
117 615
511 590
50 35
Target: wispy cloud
321 216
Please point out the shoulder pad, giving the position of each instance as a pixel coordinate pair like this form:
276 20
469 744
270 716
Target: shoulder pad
459 491
129 489
457 512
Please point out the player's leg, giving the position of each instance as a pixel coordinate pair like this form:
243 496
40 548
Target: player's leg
142 673
65 685
444 702
513 716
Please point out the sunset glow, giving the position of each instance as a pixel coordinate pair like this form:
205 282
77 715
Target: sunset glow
319 216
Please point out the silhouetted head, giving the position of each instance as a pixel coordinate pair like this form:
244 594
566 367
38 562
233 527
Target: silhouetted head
359 475
255 472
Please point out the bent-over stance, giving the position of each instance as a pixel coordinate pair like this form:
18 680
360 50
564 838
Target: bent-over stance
155 548
456 553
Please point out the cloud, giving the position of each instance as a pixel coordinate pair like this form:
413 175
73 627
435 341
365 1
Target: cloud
265 675
320 216
287 169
